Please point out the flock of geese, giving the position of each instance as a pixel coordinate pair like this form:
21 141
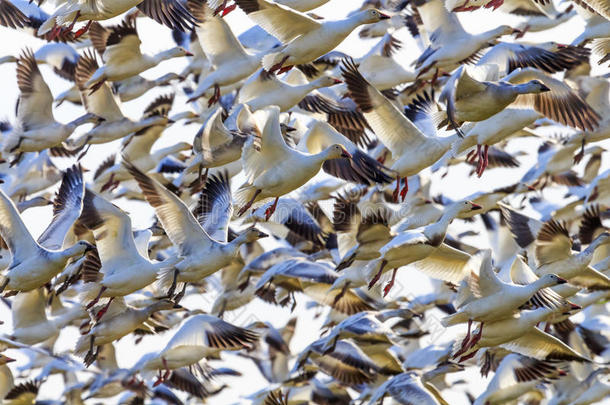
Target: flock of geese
310 177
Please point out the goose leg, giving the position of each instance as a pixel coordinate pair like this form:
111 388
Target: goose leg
485 159
285 69
269 211
172 287
463 348
278 65
103 310
167 370
96 299
227 10
395 194
180 295
405 189
378 275
389 285
220 8
74 21
249 204
82 31
215 97
468 356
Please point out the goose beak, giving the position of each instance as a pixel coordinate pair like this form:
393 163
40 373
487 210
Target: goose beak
517 31
187 53
475 207
337 81
383 16
346 154
561 280
575 307
262 235
8 359
177 306
544 89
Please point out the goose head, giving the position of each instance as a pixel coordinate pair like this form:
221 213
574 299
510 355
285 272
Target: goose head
463 207
177 52
534 87
79 248
5 359
336 151
252 235
327 81
371 16
550 280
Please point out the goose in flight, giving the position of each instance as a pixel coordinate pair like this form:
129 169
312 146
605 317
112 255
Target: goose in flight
35 263
304 39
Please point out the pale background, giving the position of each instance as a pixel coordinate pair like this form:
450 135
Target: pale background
156 38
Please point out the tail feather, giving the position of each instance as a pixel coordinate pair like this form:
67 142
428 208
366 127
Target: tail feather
271 59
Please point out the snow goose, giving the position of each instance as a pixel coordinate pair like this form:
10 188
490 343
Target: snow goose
119 321
119 47
298 5
346 363
30 322
274 168
216 145
597 388
166 12
549 57
138 147
230 61
304 39
198 337
424 247
203 249
103 104
361 168
311 278
116 268
520 335
600 7
296 223
413 150
553 249
381 69
405 388
533 19
135 86
34 263
445 28
36 127
496 299
264 89
515 376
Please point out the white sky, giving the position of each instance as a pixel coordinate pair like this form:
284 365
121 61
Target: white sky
157 38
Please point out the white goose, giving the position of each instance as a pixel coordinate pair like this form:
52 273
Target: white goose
167 12
264 89
424 246
138 148
515 376
494 298
304 39
445 28
199 337
119 47
202 249
413 150
116 268
276 169
119 321
230 61
136 86
36 127
30 322
553 249
103 104
34 263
